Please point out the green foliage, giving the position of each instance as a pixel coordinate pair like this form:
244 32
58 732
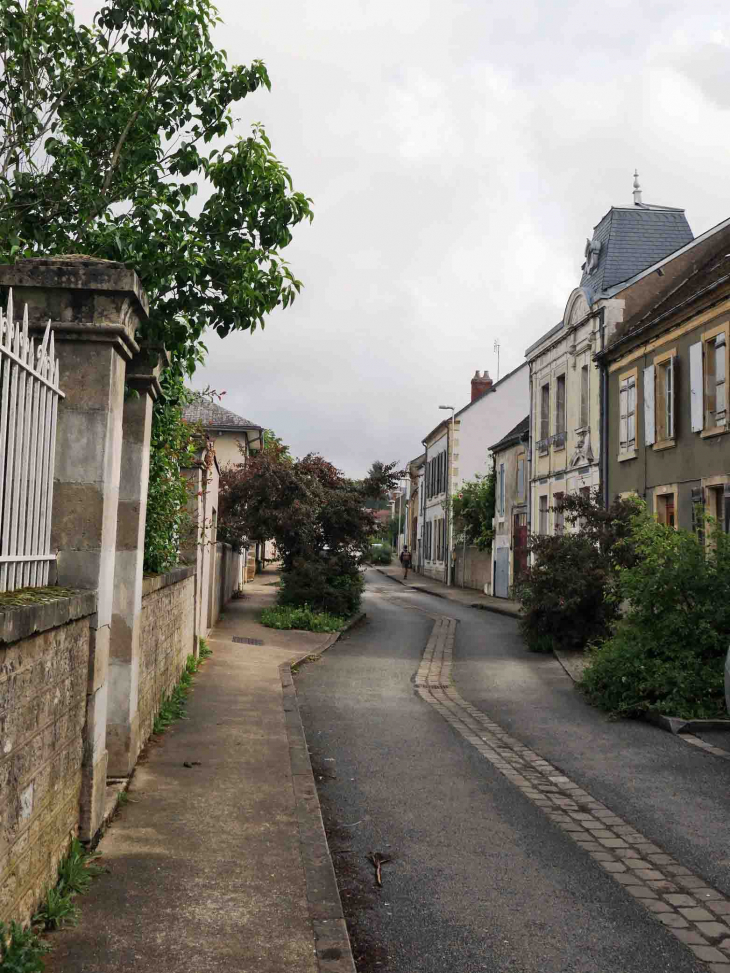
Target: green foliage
78 869
380 554
473 511
106 135
174 446
303 617
668 651
326 583
57 910
172 706
317 518
396 526
21 950
568 594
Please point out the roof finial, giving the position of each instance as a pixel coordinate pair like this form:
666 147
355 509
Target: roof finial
637 189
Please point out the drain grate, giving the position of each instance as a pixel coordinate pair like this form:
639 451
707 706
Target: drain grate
238 638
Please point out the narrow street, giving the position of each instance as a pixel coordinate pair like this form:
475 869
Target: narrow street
492 868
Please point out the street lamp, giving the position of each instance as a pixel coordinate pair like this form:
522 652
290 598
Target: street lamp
449 442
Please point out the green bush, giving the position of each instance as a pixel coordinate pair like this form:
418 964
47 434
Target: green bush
667 653
563 595
568 594
380 554
21 950
301 618
325 584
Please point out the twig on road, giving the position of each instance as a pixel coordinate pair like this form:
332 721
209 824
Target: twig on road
378 861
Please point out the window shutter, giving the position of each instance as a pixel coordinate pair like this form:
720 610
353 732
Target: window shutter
623 427
669 393
649 416
697 404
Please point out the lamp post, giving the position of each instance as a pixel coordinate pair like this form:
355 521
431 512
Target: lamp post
449 449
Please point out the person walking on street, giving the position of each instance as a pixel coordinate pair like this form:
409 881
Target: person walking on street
405 560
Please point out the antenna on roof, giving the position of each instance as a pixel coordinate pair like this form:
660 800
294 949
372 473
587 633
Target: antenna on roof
637 189
496 348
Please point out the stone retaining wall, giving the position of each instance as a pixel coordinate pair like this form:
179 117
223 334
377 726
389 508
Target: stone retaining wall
167 638
44 669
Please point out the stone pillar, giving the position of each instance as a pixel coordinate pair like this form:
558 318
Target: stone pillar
123 743
95 307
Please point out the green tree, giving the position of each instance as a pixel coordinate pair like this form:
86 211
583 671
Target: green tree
107 134
316 516
473 511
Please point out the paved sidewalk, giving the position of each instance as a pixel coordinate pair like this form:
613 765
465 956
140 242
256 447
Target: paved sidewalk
464 596
217 863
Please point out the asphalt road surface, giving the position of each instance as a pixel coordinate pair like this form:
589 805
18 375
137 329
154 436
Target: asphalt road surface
479 879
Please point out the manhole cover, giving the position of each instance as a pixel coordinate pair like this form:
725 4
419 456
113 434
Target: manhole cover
238 638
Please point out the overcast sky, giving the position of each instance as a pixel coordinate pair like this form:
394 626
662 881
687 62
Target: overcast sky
458 153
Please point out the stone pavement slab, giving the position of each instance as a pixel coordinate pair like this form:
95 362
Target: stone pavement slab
206 870
464 596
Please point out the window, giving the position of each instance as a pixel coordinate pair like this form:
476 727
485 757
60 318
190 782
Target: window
521 478
584 411
545 412
708 361
501 490
715 384
560 405
659 400
627 423
665 505
543 515
559 513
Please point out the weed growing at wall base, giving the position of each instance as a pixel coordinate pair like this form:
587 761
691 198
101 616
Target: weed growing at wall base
22 950
172 707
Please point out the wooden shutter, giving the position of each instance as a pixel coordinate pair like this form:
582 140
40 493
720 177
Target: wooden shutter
726 508
649 416
669 398
624 409
697 396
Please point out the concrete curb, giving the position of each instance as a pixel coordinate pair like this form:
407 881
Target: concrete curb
439 594
331 940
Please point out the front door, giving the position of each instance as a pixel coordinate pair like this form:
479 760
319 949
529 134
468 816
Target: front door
501 573
519 541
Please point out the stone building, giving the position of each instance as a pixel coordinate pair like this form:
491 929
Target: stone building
233 436
509 547
667 373
625 269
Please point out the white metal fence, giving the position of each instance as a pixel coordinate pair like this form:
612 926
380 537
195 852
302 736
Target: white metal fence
29 395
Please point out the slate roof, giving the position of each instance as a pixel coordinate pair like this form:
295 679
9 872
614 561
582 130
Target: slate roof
513 436
633 238
694 291
213 416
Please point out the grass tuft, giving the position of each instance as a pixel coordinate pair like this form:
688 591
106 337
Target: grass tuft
304 619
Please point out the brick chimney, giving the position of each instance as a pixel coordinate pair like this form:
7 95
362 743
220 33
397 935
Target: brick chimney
480 384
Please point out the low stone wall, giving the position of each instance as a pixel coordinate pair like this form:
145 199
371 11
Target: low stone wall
44 668
167 638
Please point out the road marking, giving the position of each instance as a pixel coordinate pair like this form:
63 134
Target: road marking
693 911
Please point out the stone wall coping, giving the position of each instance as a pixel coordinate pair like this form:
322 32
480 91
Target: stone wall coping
154 582
21 621
76 272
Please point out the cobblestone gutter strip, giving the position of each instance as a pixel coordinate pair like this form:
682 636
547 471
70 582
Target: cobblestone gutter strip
331 941
695 913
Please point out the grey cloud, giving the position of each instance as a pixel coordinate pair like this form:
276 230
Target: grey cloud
459 153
